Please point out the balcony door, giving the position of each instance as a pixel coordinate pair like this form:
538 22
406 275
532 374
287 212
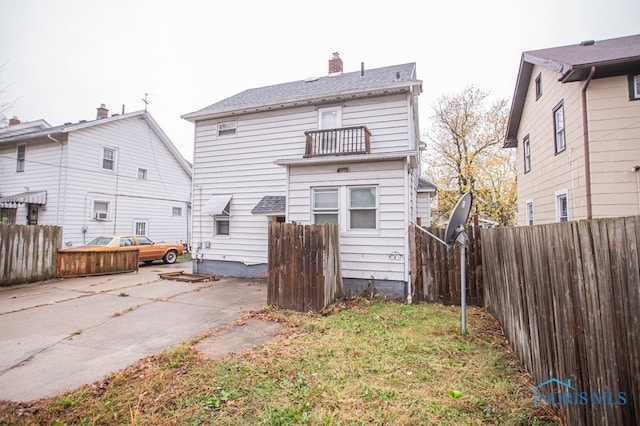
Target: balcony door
329 118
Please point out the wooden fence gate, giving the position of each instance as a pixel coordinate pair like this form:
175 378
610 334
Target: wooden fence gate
436 268
304 266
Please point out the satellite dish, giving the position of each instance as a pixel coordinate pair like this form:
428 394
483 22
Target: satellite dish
458 218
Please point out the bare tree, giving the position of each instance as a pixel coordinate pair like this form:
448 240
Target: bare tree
5 106
465 154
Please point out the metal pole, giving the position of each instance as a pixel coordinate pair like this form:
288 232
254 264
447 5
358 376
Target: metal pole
463 281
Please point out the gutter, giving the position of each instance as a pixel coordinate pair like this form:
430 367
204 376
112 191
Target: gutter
585 136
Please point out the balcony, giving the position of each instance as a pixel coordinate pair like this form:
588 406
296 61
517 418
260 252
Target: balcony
343 141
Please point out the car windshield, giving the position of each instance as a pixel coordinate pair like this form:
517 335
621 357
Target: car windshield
100 241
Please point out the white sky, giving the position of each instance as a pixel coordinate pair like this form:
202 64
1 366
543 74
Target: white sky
66 57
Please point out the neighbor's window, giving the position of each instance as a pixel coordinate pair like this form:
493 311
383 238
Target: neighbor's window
21 152
140 227
538 86
562 206
558 127
176 211
227 128
101 210
8 216
142 174
362 207
529 213
526 146
634 87
108 158
222 221
325 205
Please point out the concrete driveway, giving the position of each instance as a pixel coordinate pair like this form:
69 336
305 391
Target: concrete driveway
60 334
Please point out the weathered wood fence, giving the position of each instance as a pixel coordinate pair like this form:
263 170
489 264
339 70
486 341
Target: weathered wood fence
304 266
80 262
568 298
436 268
27 253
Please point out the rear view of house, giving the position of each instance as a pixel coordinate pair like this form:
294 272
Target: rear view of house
115 174
343 148
575 122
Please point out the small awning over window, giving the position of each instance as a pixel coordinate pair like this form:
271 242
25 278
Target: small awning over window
270 205
216 204
33 197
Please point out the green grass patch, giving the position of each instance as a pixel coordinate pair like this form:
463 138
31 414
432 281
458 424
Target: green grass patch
365 363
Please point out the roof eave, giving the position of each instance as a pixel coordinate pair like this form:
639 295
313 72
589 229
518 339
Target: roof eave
517 104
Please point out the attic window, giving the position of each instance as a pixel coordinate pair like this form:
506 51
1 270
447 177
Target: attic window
538 86
634 87
227 128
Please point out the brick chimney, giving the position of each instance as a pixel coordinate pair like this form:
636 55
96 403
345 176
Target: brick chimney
335 64
103 112
13 121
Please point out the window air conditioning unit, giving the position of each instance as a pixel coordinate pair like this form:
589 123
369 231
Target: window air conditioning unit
101 215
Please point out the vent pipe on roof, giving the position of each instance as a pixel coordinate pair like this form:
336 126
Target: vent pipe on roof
398 76
361 69
587 43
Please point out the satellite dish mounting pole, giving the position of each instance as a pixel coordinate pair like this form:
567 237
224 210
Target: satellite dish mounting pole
463 239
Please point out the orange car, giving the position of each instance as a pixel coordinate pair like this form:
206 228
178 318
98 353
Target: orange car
149 250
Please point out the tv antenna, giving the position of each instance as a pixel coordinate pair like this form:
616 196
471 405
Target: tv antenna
455 232
146 100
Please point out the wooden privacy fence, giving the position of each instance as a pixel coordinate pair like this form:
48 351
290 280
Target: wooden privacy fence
436 268
567 296
27 253
304 266
82 262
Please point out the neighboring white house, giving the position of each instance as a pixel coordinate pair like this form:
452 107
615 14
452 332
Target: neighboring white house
342 148
112 175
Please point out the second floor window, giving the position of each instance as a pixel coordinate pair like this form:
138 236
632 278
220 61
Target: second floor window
227 128
108 158
329 118
142 174
558 127
526 146
21 153
634 87
176 211
538 86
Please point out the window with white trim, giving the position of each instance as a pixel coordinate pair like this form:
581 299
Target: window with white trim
221 221
140 227
142 174
227 128
176 211
529 212
108 158
21 154
526 146
558 127
538 86
101 210
325 205
562 206
363 207
634 87
329 118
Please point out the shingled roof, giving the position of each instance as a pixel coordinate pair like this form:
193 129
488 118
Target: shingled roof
617 56
391 79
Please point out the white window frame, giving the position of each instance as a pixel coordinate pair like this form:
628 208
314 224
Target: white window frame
529 212
106 149
325 210
97 214
322 111
373 208
21 157
559 196
143 174
140 225
176 211
559 128
227 128
526 147
222 218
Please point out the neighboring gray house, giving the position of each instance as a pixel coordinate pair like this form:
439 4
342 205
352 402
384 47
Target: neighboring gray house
343 148
112 175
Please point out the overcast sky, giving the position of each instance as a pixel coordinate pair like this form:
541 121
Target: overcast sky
66 57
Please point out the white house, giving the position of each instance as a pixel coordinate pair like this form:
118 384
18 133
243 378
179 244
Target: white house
342 148
112 175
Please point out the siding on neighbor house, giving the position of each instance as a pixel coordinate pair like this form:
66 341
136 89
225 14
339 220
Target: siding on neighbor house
424 208
137 146
614 143
243 165
365 253
551 172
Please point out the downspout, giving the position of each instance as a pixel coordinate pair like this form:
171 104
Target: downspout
585 135
59 200
407 217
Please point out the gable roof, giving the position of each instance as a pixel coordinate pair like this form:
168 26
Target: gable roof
612 57
40 128
314 90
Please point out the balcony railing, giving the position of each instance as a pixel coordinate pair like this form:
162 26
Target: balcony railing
343 141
